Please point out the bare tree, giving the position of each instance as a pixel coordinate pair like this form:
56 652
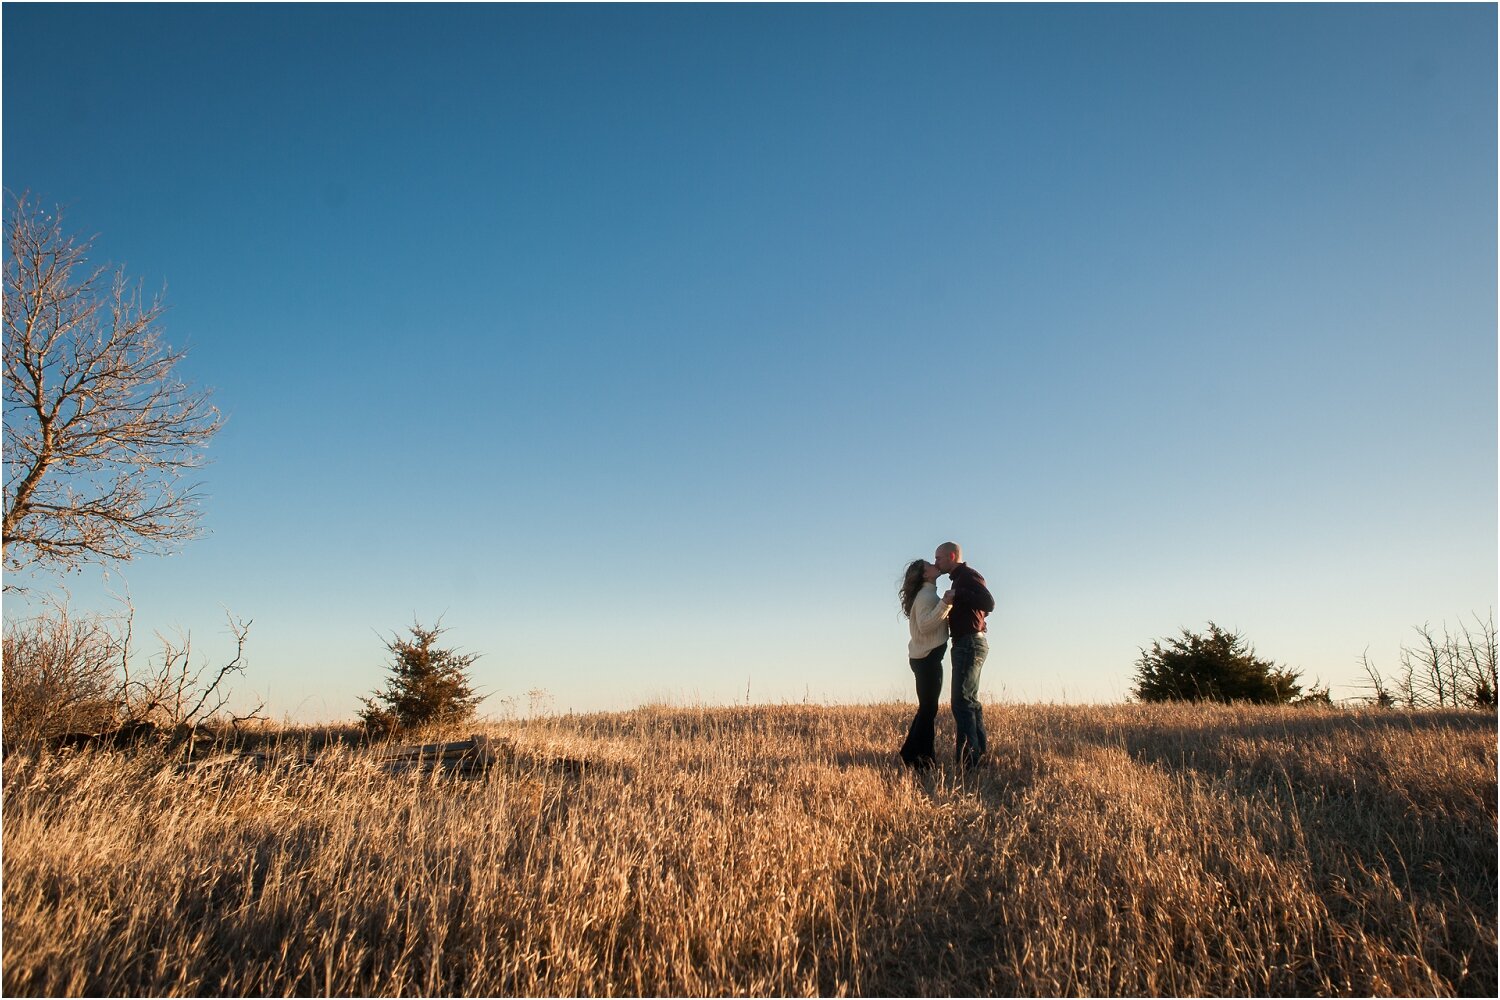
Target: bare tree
1380 692
1458 670
98 428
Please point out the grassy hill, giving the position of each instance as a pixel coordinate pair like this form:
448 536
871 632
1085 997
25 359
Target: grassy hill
778 850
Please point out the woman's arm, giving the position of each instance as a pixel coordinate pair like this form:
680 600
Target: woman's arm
928 618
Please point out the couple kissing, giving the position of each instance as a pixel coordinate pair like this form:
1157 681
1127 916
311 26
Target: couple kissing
959 616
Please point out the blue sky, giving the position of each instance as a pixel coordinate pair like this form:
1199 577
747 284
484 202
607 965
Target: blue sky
646 344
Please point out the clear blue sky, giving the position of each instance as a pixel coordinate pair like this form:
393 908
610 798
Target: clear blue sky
647 344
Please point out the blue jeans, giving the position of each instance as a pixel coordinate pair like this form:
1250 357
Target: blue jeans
917 751
969 653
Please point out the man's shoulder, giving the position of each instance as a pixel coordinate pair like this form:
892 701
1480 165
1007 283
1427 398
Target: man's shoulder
968 572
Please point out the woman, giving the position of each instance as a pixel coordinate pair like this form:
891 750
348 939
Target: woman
927 618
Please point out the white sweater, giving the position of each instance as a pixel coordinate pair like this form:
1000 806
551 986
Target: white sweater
928 622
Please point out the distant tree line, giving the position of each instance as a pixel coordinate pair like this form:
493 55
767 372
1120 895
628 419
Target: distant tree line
1444 669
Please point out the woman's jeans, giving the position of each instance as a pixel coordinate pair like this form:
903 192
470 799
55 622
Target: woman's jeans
969 653
917 751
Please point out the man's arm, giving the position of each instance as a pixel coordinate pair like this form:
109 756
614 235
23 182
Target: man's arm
971 592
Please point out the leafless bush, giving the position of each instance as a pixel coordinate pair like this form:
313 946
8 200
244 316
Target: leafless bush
60 674
171 692
1442 669
68 673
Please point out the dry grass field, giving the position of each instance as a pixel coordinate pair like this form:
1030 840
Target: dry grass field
1136 850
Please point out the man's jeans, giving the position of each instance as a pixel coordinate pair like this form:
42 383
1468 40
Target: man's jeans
917 751
968 656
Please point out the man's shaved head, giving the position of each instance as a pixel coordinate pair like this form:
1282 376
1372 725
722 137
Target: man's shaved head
948 555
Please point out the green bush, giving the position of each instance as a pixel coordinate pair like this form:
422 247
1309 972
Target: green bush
427 685
1216 666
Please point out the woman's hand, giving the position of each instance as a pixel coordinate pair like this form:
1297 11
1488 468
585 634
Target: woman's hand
948 598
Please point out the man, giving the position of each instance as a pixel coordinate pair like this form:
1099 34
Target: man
971 602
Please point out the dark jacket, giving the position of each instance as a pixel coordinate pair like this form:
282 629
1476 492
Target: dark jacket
972 600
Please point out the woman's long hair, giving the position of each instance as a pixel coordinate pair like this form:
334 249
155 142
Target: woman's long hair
912 582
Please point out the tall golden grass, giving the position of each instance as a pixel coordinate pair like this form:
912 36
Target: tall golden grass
1150 850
